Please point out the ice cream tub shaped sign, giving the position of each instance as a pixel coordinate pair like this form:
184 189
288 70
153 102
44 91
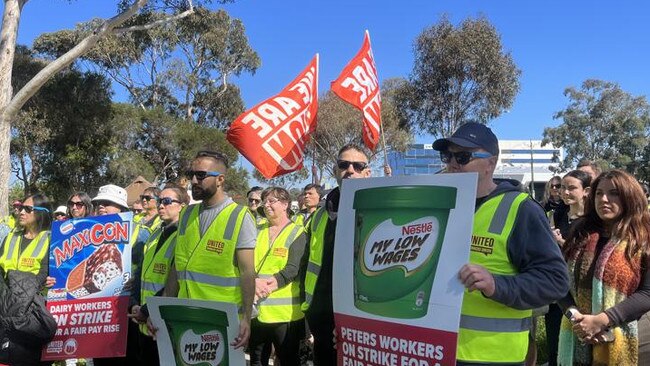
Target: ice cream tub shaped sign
399 232
199 336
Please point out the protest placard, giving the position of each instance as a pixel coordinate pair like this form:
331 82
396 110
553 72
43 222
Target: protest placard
193 332
400 243
90 259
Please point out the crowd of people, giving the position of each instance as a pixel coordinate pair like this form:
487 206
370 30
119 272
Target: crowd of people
583 252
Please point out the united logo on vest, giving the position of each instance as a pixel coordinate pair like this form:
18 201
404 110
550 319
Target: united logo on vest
27 262
214 246
160 268
482 244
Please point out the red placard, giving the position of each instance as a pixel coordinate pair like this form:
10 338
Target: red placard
273 134
367 342
86 328
358 85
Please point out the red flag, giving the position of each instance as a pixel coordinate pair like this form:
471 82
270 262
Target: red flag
272 135
359 86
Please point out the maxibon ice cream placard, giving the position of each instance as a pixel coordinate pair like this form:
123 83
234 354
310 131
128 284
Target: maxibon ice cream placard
400 242
90 259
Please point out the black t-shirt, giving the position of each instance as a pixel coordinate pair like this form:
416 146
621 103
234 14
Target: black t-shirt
554 205
561 220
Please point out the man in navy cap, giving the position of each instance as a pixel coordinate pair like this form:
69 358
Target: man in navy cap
515 265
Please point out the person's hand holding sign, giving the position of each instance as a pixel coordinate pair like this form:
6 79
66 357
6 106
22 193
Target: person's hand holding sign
476 277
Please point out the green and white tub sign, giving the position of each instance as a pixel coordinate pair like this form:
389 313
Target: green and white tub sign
399 233
199 335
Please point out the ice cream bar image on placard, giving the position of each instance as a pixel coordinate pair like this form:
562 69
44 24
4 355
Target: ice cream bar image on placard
93 274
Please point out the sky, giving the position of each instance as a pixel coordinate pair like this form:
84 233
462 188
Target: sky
556 44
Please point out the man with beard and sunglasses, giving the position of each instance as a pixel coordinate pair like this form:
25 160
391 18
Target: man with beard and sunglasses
352 163
515 265
214 255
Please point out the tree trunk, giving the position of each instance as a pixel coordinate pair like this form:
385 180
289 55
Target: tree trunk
11 104
10 20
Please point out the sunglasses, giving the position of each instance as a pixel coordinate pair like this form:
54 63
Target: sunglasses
138 211
57 214
200 174
254 200
166 201
556 186
462 157
30 209
146 197
106 204
358 166
78 205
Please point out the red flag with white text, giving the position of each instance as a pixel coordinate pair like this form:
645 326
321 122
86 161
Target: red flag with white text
358 85
273 134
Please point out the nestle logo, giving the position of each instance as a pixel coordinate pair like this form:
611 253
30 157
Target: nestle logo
210 338
425 227
66 228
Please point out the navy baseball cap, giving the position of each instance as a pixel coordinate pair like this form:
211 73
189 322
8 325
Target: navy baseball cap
472 135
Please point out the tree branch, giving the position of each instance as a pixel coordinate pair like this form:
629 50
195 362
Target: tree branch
151 25
68 58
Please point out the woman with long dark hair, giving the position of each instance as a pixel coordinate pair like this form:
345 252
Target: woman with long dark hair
26 248
79 205
574 191
24 266
607 255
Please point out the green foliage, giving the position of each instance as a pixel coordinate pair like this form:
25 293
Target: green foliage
603 123
60 138
340 123
183 66
237 182
460 74
16 192
286 181
160 146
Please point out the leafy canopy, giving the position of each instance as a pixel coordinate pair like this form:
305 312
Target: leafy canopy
602 123
460 74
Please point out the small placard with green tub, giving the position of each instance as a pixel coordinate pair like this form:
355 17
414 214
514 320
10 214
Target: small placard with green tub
195 333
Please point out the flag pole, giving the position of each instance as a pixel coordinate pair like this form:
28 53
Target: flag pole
387 169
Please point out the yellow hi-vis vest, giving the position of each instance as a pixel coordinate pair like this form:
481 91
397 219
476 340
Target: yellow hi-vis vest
260 221
155 224
491 332
155 266
283 304
135 265
10 221
205 264
138 217
30 259
298 219
317 226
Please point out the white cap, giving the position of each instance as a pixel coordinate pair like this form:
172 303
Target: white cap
112 193
60 209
